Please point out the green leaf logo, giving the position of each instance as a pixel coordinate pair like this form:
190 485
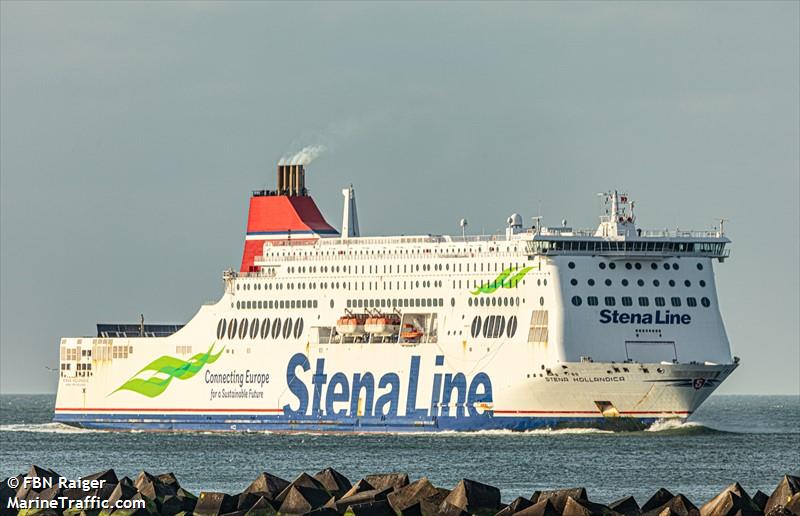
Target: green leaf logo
504 280
164 369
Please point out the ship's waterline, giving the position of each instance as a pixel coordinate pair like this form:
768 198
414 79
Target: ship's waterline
538 327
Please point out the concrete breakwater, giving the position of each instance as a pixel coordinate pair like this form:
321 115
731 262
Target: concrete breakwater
44 492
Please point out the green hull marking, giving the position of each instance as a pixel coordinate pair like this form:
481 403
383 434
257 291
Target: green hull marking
502 281
171 367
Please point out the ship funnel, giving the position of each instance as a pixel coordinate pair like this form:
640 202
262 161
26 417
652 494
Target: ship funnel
292 180
349 214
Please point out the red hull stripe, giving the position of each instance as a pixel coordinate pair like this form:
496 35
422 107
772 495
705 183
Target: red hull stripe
591 412
595 412
77 409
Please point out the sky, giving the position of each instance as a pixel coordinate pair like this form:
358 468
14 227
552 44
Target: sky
131 135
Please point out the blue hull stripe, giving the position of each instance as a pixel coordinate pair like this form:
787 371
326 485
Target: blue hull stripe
260 423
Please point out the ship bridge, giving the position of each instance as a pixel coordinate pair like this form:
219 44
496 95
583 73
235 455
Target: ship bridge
617 235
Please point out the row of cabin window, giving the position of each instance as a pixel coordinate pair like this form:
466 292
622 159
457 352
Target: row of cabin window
539 246
397 303
373 269
640 282
643 301
259 327
493 301
638 266
302 303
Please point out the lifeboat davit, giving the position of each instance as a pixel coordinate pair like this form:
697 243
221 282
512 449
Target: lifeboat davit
351 325
382 325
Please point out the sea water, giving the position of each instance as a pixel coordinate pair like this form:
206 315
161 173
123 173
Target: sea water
750 439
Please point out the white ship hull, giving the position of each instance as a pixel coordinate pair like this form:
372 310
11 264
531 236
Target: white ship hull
527 331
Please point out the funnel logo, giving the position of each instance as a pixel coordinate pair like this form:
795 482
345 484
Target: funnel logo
161 371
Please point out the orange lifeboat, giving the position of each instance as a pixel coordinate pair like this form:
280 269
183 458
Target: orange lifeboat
382 325
410 332
352 324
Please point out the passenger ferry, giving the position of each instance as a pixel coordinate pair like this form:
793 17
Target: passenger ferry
322 330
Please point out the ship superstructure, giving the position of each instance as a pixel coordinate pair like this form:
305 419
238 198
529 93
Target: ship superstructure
327 331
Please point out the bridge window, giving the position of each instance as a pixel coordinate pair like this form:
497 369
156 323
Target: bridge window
660 301
591 300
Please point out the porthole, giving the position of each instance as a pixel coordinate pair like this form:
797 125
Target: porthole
298 327
505 301
705 302
656 283
539 282
602 265
242 328
702 283
238 305
591 300
608 282
612 265
254 328
687 283
276 328
488 326
573 282
638 266
699 266
499 326
331 303
511 329
590 282
628 265
453 301
221 328
494 301
653 266
541 301
545 282
287 327
576 300
624 283
232 329
475 329
672 283
469 301
666 266
640 282
571 265
264 328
